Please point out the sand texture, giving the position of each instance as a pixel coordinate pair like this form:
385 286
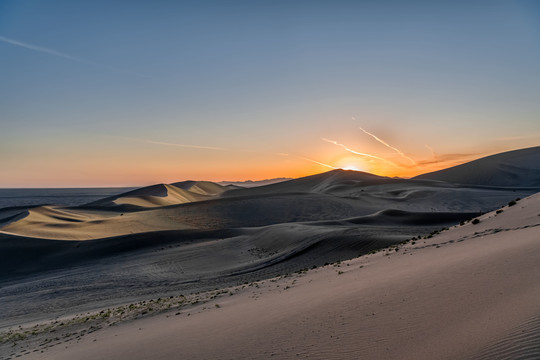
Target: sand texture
200 270
468 292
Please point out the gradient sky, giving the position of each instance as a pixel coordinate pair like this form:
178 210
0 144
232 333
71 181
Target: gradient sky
114 93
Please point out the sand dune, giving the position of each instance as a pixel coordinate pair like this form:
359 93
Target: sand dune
468 292
518 168
252 183
163 195
334 195
85 275
187 237
49 222
250 211
314 183
204 187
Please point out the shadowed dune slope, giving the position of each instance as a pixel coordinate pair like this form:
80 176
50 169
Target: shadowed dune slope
470 292
203 187
253 211
20 255
319 183
84 275
518 168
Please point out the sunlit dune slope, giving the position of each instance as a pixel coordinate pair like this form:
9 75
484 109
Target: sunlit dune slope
49 222
163 195
470 292
333 195
518 168
203 187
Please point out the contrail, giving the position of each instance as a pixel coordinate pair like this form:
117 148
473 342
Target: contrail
204 147
356 152
69 57
432 151
388 145
185 145
316 162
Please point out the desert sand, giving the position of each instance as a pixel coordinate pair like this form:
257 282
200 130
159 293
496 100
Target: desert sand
312 267
463 293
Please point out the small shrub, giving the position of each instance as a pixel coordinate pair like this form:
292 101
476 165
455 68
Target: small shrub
475 221
512 203
499 211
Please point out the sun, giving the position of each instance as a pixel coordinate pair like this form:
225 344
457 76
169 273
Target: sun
350 167
349 163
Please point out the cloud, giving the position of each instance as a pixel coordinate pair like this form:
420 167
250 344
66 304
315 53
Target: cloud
431 150
388 145
356 152
226 149
184 145
447 158
69 57
203 147
317 162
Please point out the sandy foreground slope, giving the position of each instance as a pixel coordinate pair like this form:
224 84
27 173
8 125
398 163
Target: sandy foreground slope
470 292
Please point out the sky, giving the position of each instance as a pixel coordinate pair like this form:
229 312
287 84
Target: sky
127 93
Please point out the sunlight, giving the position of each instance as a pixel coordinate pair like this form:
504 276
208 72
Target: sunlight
350 167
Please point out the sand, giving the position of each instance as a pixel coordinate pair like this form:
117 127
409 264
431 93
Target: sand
199 270
462 293
203 205
513 169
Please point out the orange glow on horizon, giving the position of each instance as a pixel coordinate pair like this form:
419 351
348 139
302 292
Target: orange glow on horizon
109 174
128 163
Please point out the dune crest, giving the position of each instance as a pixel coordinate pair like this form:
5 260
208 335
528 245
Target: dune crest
163 195
518 168
467 292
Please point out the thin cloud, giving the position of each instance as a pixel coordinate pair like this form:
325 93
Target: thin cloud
317 162
356 152
447 158
69 57
163 143
185 145
388 145
203 147
432 151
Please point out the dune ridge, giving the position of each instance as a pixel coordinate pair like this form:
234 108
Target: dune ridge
195 236
467 292
160 195
518 168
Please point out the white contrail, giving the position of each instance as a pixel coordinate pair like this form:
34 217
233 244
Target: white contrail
204 147
356 152
185 145
317 162
432 151
388 145
67 56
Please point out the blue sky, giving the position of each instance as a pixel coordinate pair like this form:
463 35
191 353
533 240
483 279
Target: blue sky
86 86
